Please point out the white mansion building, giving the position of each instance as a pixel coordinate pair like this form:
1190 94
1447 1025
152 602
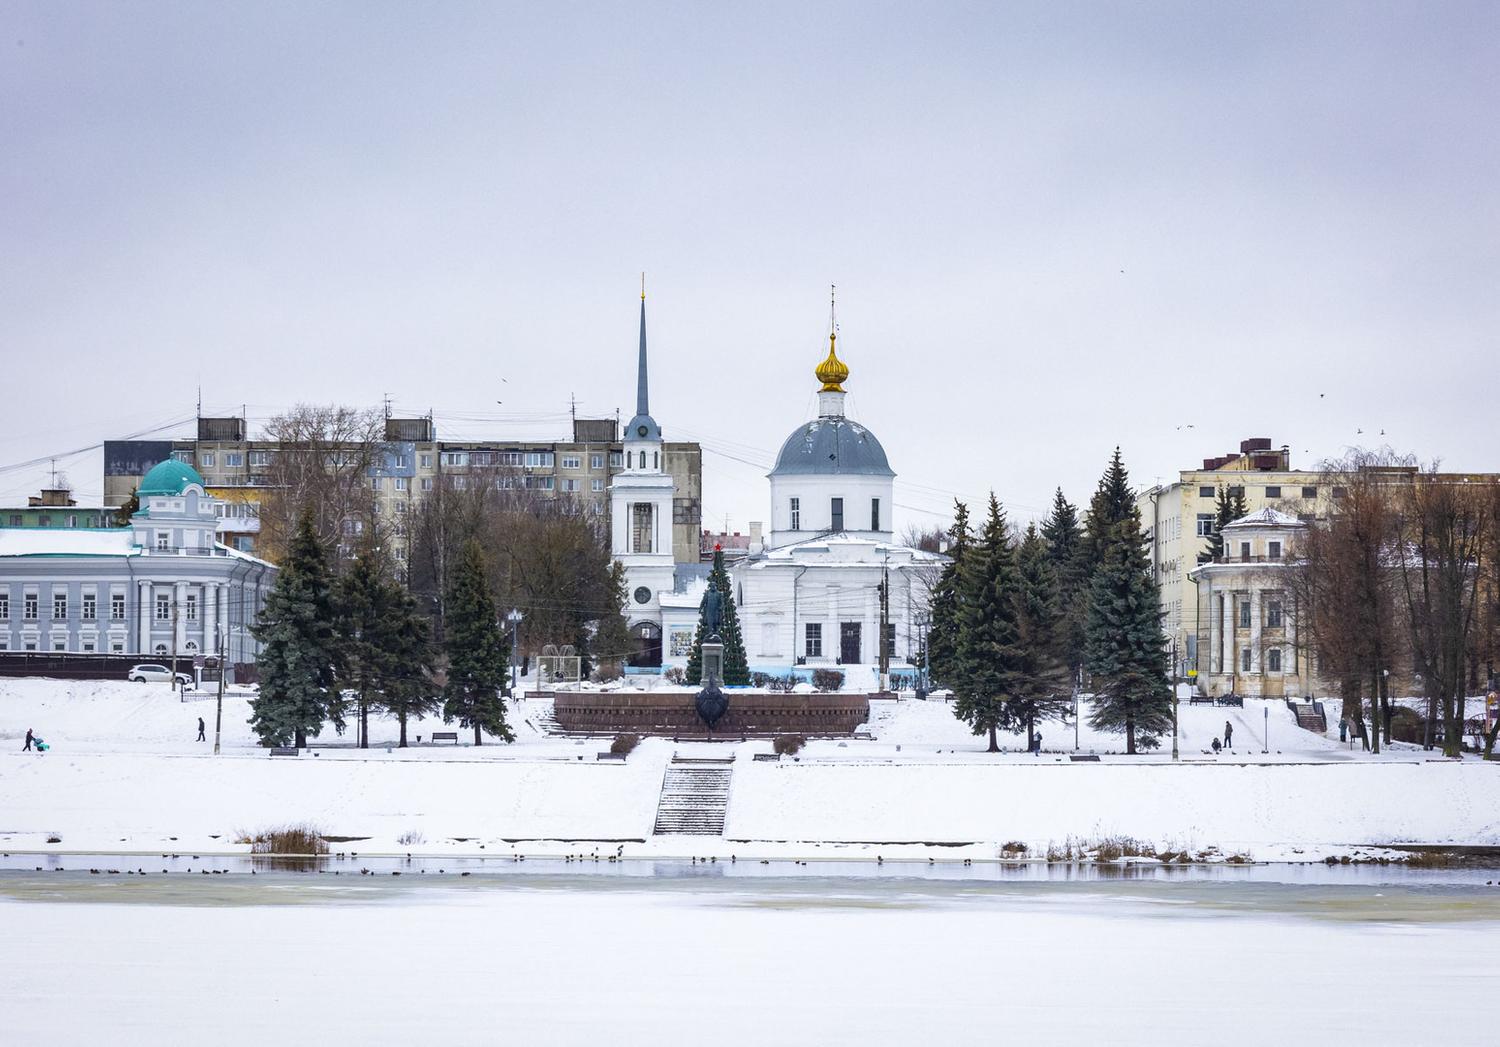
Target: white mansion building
808 595
161 586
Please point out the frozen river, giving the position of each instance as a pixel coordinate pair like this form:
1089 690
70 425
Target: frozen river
671 953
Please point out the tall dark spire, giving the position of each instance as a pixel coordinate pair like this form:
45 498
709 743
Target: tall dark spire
642 399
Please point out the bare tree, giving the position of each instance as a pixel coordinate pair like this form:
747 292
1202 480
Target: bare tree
1444 526
322 462
1347 589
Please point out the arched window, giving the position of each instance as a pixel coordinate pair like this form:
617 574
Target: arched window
161 648
191 647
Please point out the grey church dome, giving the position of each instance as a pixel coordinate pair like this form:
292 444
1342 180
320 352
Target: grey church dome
832 445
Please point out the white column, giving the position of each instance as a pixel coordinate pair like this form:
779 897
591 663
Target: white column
1227 664
221 599
1255 630
143 618
210 618
1291 665
179 614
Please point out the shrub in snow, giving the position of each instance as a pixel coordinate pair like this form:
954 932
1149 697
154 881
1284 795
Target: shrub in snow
624 743
788 744
675 674
410 837
828 679
289 840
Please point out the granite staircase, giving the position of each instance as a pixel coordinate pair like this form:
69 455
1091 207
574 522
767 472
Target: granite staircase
694 797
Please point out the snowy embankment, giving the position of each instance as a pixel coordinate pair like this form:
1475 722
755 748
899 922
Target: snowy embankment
126 773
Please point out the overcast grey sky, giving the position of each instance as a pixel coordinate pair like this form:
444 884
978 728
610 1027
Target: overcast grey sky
1054 228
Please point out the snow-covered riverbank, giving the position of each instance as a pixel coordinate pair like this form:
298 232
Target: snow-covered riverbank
125 774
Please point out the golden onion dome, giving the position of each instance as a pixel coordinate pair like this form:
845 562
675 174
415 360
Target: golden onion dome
832 372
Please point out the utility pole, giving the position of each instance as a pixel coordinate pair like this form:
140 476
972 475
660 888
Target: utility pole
219 713
885 632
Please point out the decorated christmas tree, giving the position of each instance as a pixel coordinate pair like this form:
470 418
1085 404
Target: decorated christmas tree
736 666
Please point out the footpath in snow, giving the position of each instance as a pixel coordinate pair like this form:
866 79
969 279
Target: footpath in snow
126 774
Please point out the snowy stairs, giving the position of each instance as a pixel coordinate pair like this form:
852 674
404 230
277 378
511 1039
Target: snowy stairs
694 798
1308 718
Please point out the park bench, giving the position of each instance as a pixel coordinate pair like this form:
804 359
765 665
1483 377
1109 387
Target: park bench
1201 699
285 750
445 736
769 757
1230 699
617 757
1090 758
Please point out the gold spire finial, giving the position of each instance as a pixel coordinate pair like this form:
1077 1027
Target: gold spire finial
832 372
643 287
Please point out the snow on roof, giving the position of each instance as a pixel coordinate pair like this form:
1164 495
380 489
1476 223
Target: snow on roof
48 541
1266 517
845 550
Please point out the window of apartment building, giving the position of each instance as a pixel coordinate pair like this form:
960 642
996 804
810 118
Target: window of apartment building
29 607
539 460
427 461
1273 660
163 607
596 461
400 482
616 459
874 514
185 457
836 514
1245 660
192 607
596 485
514 459
1273 492
72 520
1309 492
244 543
90 607
426 483
1236 492
4 605
539 483
44 521
117 607
1273 550
353 527
233 460
640 527
479 458
455 458
260 458
570 485
400 461
1339 492
1273 614
15 520
572 461
206 460
796 514
375 483
1205 524
1244 614
163 541
1205 492
813 647
59 606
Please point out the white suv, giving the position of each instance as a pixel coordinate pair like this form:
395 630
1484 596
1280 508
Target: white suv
152 673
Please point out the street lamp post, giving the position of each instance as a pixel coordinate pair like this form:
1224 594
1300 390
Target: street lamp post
219 712
514 618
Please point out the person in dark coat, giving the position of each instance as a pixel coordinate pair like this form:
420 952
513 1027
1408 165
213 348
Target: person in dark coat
1216 747
200 730
1228 735
27 747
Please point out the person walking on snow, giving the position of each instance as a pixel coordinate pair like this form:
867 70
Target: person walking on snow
200 730
27 747
1228 735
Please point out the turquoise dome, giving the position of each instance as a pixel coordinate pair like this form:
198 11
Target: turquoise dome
168 478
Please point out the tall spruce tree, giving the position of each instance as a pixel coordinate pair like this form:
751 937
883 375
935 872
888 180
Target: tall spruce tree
478 652
1112 503
945 603
736 663
407 689
298 658
1124 648
1042 690
990 661
1064 544
612 637
363 621
1229 506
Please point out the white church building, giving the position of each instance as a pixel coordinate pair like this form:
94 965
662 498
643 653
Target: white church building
809 594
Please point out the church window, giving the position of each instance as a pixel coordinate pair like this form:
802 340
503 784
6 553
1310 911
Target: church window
1273 614
796 514
656 460
874 514
1245 660
814 634
640 527
1273 660
1244 614
836 515
1273 550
